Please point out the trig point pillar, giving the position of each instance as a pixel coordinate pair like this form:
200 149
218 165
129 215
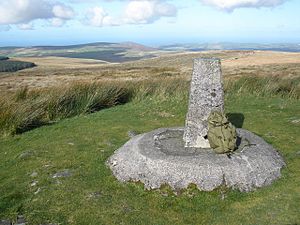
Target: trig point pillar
206 95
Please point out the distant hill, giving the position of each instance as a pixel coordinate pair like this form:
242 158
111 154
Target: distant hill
232 46
106 51
131 51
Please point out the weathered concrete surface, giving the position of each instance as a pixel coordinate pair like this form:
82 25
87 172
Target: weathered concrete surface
206 95
159 157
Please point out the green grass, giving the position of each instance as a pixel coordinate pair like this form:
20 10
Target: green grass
82 144
265 86
114 56
27 109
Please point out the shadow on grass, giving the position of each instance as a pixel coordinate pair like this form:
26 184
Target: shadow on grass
237 119
33 125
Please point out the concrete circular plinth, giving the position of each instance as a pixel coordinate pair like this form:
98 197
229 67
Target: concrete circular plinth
159 157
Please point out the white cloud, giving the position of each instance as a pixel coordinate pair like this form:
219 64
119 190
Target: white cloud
25 26
57 22
136 12
63 12
166 9
139 11
21 12
98 17
230 5
147 11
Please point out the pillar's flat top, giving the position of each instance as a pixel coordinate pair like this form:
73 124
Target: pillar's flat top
208 59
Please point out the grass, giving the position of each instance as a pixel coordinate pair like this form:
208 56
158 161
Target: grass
84 142
13 66
54 71
93 196
265 86
111 52
115 55
25 110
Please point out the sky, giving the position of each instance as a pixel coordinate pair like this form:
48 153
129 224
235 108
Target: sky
150 22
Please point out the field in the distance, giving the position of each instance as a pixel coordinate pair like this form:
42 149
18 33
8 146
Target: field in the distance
52 71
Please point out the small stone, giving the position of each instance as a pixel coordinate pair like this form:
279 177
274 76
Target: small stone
34 174
127 209
223 196
37 191
26 155
47 165
132 133
5 222
71 143
95 195
165 114
58 182
64 173
34 183
269 134
164 194
296 121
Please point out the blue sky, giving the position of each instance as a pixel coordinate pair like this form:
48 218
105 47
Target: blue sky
151 22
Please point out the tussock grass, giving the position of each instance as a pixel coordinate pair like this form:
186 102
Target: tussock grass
160 89
265 86
81 98
16 117
27 109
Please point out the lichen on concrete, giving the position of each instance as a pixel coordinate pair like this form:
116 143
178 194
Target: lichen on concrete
160 157
206 95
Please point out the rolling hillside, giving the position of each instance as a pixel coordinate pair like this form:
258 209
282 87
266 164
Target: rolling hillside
105 51
281 47
52 71
130 51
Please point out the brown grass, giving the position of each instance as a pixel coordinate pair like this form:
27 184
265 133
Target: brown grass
26 109
53 71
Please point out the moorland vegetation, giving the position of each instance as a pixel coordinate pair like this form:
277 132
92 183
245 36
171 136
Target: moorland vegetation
79 125
7 65
26 109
